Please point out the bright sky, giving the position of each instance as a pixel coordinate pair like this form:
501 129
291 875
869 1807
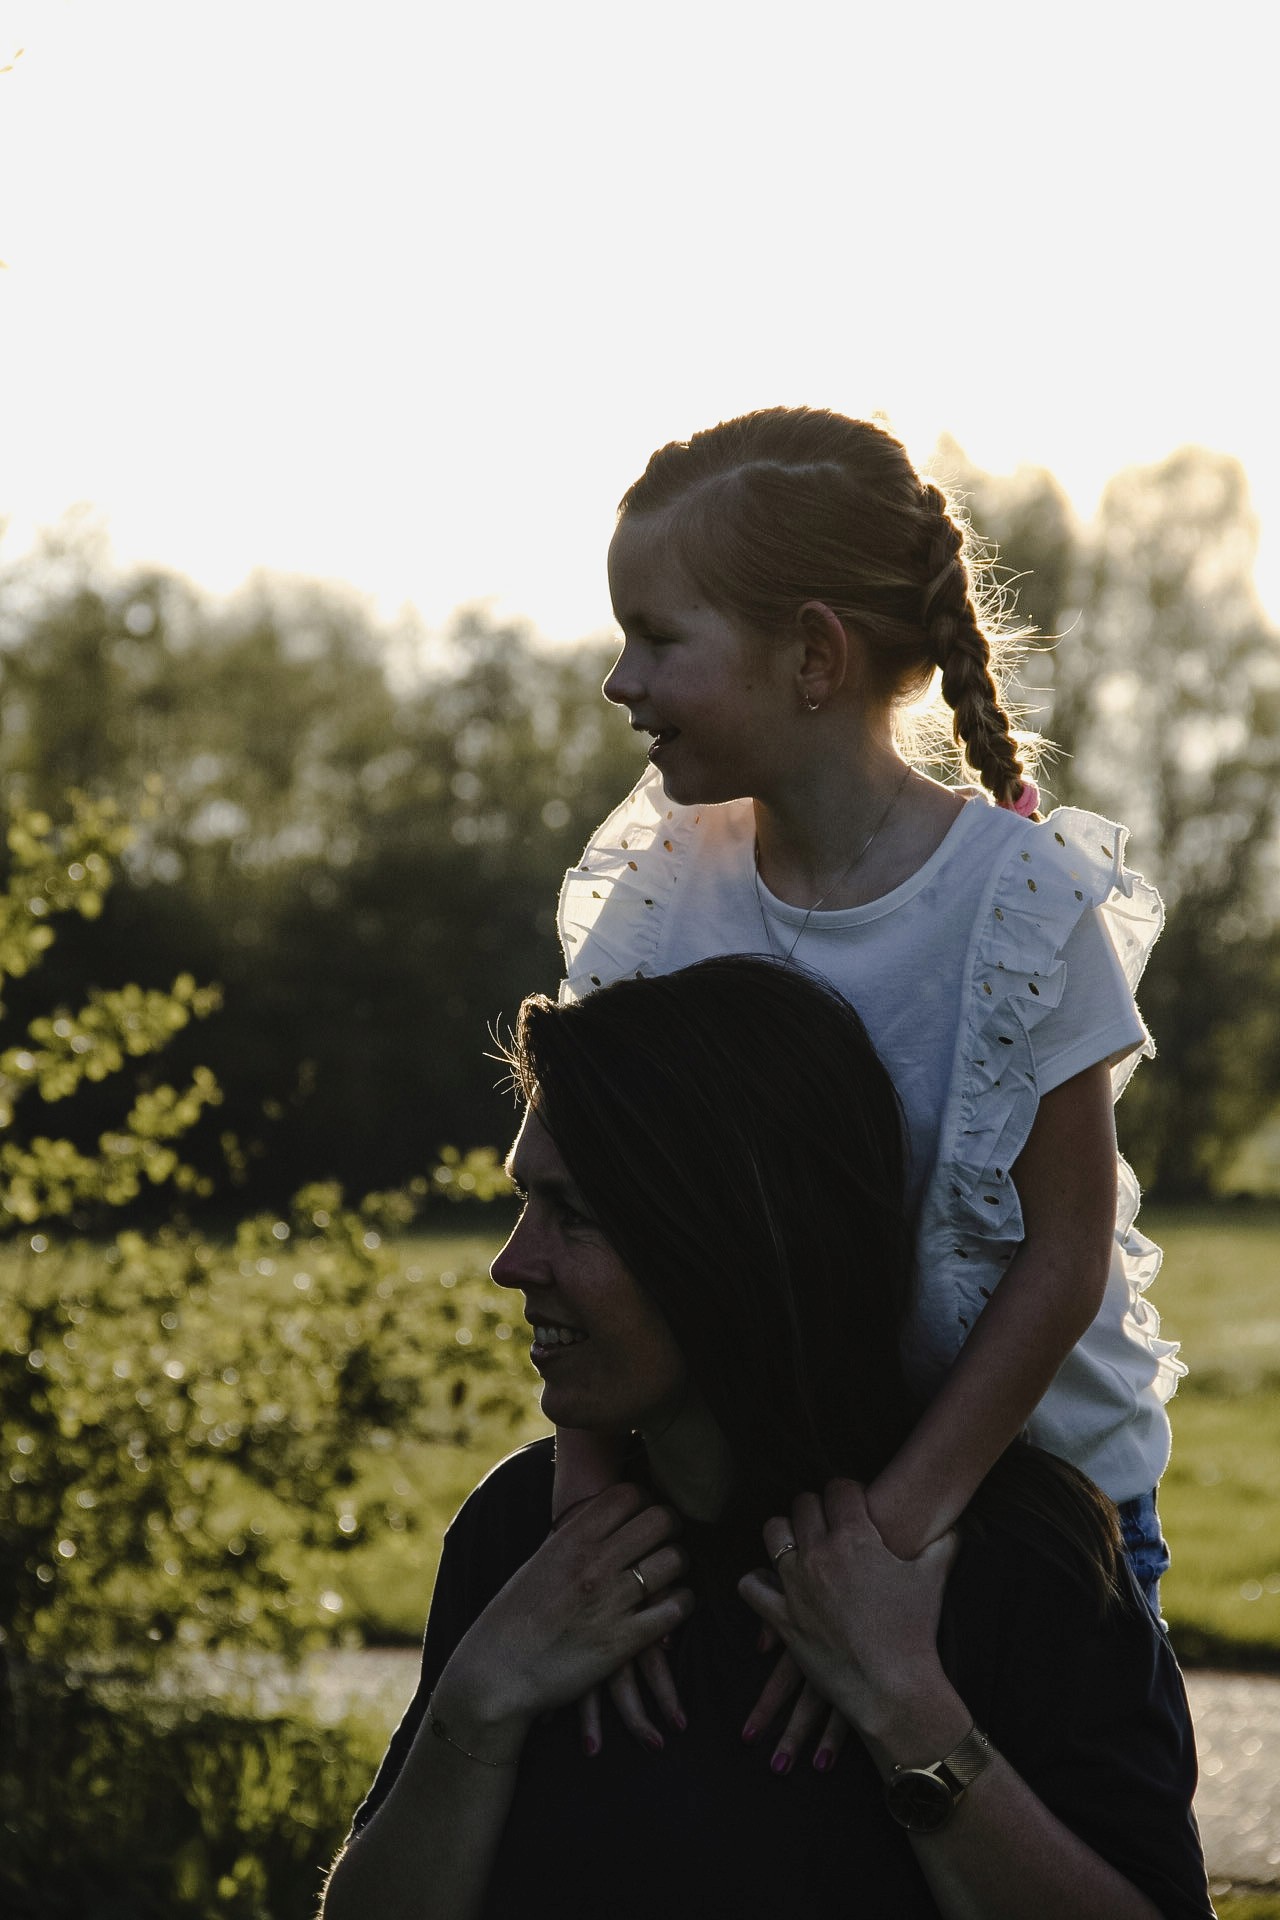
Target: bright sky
405 292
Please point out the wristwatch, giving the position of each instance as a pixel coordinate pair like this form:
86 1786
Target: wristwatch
922 1799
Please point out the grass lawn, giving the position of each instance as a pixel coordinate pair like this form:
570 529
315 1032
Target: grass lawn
1219 1293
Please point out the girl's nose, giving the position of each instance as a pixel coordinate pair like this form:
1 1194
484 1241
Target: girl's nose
622 685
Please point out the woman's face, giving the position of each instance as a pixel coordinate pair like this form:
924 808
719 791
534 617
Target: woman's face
607 1356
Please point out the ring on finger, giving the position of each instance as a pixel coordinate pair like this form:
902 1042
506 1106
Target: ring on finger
788 1546
644 1588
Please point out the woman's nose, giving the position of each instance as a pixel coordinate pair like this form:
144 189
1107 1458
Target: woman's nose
516 1264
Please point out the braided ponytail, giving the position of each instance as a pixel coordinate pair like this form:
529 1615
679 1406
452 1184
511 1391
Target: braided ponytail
959 645
793 504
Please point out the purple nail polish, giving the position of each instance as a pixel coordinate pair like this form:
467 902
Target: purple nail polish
822 1759
750 1735
654 1742
590 1746
780 1763
678 1721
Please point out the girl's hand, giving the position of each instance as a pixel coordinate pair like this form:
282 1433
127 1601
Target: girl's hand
629 1699
811 1717
861 1623
570 1616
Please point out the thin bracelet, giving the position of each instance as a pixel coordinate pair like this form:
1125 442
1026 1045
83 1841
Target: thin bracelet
442 1732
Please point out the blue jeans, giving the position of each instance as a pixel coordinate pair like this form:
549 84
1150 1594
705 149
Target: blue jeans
1145 1547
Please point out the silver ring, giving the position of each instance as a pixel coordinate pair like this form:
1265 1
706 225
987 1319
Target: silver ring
640 1577
788 1546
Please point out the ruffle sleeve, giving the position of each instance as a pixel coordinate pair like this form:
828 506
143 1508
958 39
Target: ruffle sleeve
613 903
1054 872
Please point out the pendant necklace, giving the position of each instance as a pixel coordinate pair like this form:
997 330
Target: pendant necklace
839 880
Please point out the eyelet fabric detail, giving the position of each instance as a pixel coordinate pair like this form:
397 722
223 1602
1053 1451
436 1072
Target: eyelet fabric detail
612 903
971 1224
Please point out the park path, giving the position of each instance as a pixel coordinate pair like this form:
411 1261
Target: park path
1237 1720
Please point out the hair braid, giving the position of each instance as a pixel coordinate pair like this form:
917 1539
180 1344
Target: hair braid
792 504
981 726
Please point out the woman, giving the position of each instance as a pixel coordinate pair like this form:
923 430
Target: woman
713 1255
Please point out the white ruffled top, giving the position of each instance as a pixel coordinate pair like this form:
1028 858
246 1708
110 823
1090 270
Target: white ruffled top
628 908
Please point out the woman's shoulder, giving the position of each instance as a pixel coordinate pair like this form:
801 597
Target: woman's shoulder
511 1504
505 1517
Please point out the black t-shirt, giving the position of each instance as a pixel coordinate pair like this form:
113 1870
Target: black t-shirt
1092 1715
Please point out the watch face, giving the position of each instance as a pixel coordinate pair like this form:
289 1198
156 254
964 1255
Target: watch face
919 1801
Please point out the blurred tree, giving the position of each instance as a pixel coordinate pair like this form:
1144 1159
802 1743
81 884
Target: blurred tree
1163 691
369 873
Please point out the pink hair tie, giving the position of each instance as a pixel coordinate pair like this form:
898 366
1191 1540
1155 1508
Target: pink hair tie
1027 801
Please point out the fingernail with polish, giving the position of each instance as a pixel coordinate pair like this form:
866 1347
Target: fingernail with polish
654 1742
822 1759
781 1763
750 1735
590 1746
678 1721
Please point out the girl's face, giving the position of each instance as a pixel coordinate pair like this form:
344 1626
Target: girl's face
718 700
608 1359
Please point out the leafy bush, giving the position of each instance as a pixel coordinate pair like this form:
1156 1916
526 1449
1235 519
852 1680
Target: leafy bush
127 1808
180 1422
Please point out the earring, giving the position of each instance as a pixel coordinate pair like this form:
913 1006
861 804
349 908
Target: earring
811 702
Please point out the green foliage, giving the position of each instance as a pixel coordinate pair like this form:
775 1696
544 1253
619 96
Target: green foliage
66 869
1219 1500
369 866
1161 689
130 1806
163 1401
180 1425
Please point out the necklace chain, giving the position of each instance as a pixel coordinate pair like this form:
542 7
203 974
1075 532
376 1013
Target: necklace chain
839 880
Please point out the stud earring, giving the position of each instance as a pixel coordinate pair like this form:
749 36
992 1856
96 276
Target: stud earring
811 702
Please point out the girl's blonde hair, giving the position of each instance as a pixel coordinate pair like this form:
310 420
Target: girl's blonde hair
793 504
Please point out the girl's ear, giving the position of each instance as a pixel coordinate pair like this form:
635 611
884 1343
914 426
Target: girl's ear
825 660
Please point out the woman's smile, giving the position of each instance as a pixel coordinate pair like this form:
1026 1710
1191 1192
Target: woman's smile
551 1340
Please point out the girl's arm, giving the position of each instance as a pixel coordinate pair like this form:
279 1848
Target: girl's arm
569 1616
863 1625
1050 1294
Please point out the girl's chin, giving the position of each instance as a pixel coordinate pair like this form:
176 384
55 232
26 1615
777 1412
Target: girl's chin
690 788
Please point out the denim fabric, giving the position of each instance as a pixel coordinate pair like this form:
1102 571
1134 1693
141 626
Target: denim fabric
1145 1546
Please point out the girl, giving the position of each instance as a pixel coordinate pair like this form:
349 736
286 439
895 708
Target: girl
786 585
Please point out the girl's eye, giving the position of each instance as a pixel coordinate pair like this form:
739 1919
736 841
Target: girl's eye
571 1216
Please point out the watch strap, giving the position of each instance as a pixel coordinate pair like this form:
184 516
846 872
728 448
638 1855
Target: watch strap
923 1799
965 1762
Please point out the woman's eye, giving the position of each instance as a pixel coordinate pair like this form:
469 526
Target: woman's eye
573 1217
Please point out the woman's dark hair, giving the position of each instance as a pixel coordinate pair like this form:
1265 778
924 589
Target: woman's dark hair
741 1146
